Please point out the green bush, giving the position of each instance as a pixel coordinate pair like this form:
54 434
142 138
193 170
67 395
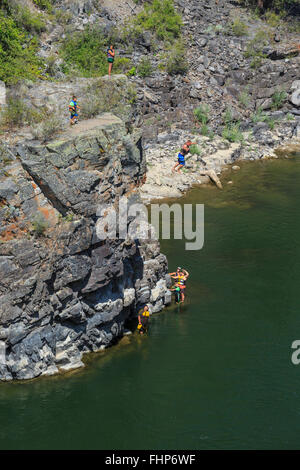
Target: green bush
160 17
51 67
44 5
232 133
91 106
271 123
47 128
244 98
121 65
227 116
290 117
131 72
24 18
254 48
195 150
239 28
202 113
273 19
16 61
85 52
278 99
258 116
17 114
177 63
145 67
39 225
62 17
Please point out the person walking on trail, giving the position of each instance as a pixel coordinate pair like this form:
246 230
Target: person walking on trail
110 58
181 275
73 108
181 156
143 318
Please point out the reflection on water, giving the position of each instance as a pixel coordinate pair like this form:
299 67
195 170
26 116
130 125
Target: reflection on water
214 373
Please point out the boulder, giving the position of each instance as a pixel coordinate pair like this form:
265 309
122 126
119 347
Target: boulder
295 97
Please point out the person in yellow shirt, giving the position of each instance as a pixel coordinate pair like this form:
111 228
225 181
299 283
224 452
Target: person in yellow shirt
143 318
180 275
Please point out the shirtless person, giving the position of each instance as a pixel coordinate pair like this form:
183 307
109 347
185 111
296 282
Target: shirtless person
181 156
181 276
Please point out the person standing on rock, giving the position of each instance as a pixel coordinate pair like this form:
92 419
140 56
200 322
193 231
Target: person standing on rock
144 320
73 108
110 58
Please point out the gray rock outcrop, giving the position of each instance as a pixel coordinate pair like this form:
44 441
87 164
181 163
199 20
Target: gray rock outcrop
63 291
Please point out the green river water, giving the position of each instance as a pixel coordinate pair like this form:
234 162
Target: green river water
215 373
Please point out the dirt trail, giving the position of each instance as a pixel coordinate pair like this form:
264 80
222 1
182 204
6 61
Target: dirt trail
84 126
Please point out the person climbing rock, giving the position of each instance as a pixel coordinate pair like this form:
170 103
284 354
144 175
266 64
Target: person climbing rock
73 108
181 156
110 58
181 160
181 275
143 318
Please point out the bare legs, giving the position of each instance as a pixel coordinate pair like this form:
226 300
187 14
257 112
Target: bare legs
178 169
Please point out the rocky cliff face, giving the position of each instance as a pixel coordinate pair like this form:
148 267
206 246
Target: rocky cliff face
64 292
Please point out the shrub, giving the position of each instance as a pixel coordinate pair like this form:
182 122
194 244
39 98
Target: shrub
131 95
195 150
244 98
16 61
278 99
131 72
44 5
259 116
17 113
85 52
62 17
39 225
176 63
48 128
201 113
271 123
227 116
232 133
273 19
204 130
239 28
122 64
51 67
254 48
90 106
24 18
145 67
104 97
160 17
290 117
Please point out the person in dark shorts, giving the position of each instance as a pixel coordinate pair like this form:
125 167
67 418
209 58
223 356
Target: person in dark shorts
110 58
177 292
181 156
144 320
73 108
180 275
